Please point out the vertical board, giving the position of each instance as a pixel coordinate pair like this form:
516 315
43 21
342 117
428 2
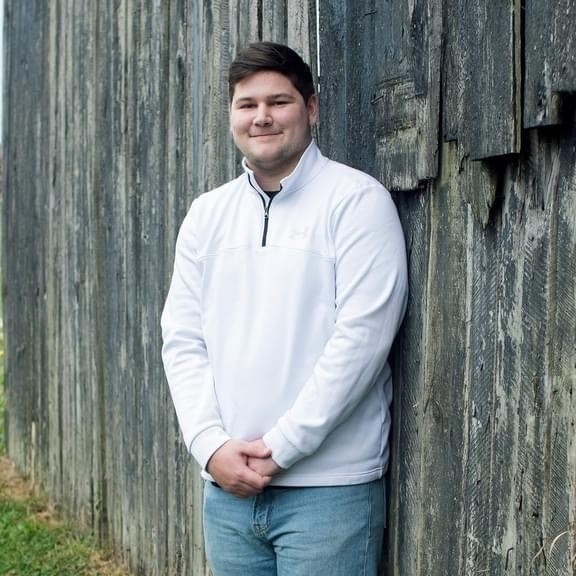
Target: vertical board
560 516
299 28
406 96
441 405
274 20
332 78
55 245
385 101
549 60
408 436
481 106
347 82
24 229
247 23
481 76
217 56
144 420
182 146
481 367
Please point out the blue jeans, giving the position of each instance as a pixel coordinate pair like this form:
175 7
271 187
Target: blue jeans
324 531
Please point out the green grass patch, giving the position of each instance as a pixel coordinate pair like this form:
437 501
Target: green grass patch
2 447
31 547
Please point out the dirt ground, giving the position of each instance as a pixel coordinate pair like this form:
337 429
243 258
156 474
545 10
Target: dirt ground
14 487
12 484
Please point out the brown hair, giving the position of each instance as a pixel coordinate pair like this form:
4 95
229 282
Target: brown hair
264 56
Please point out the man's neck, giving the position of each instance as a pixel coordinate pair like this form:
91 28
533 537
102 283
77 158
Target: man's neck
268 183
270 179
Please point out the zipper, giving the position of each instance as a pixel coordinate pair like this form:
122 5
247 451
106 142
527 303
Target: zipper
266 210
266 216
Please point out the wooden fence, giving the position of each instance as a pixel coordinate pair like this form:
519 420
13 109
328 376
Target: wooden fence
115 117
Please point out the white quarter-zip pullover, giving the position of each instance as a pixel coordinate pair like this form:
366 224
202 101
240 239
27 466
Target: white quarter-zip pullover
280 317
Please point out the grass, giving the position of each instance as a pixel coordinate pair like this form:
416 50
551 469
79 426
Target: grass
31 547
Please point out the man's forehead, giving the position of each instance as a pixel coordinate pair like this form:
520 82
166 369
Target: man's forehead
267 81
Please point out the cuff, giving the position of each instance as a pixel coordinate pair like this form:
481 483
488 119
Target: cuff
284 453
205 444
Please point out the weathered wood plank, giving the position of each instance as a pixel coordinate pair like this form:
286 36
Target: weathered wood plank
361 39
299 28
144 424
333 78
68 420
445 381
549 59
78 331
558 502
247 27
55 245
506 428
453 84
492 108
504 398
481 92
109 197
406 98
481 360
24 229
481 84
404 507
182 182
562 348
347 79
217 56
530 478
274 20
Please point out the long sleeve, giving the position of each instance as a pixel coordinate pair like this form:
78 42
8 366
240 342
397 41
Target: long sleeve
371 294
184 353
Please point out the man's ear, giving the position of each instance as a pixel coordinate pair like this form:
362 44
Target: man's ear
312 107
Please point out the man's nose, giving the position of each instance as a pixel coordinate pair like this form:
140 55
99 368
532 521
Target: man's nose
262 117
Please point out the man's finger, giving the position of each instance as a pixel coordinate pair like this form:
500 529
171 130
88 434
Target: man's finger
256 449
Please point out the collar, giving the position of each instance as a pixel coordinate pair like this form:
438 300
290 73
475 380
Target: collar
310 163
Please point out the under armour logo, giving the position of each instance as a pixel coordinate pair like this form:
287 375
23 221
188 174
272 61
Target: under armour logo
300 233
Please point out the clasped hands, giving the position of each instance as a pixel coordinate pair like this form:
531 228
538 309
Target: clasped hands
243 468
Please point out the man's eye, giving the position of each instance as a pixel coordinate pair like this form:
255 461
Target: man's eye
245 106
280 103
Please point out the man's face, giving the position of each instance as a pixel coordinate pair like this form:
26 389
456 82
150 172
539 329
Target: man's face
270 122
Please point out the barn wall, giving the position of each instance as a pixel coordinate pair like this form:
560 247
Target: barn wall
115 119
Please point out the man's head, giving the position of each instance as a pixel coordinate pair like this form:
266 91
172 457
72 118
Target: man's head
268 56
272 109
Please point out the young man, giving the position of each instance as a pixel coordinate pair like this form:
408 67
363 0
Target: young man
289 286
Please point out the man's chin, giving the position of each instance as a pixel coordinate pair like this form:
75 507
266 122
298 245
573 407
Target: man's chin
266 161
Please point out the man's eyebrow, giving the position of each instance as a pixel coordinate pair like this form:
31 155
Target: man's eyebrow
281 95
